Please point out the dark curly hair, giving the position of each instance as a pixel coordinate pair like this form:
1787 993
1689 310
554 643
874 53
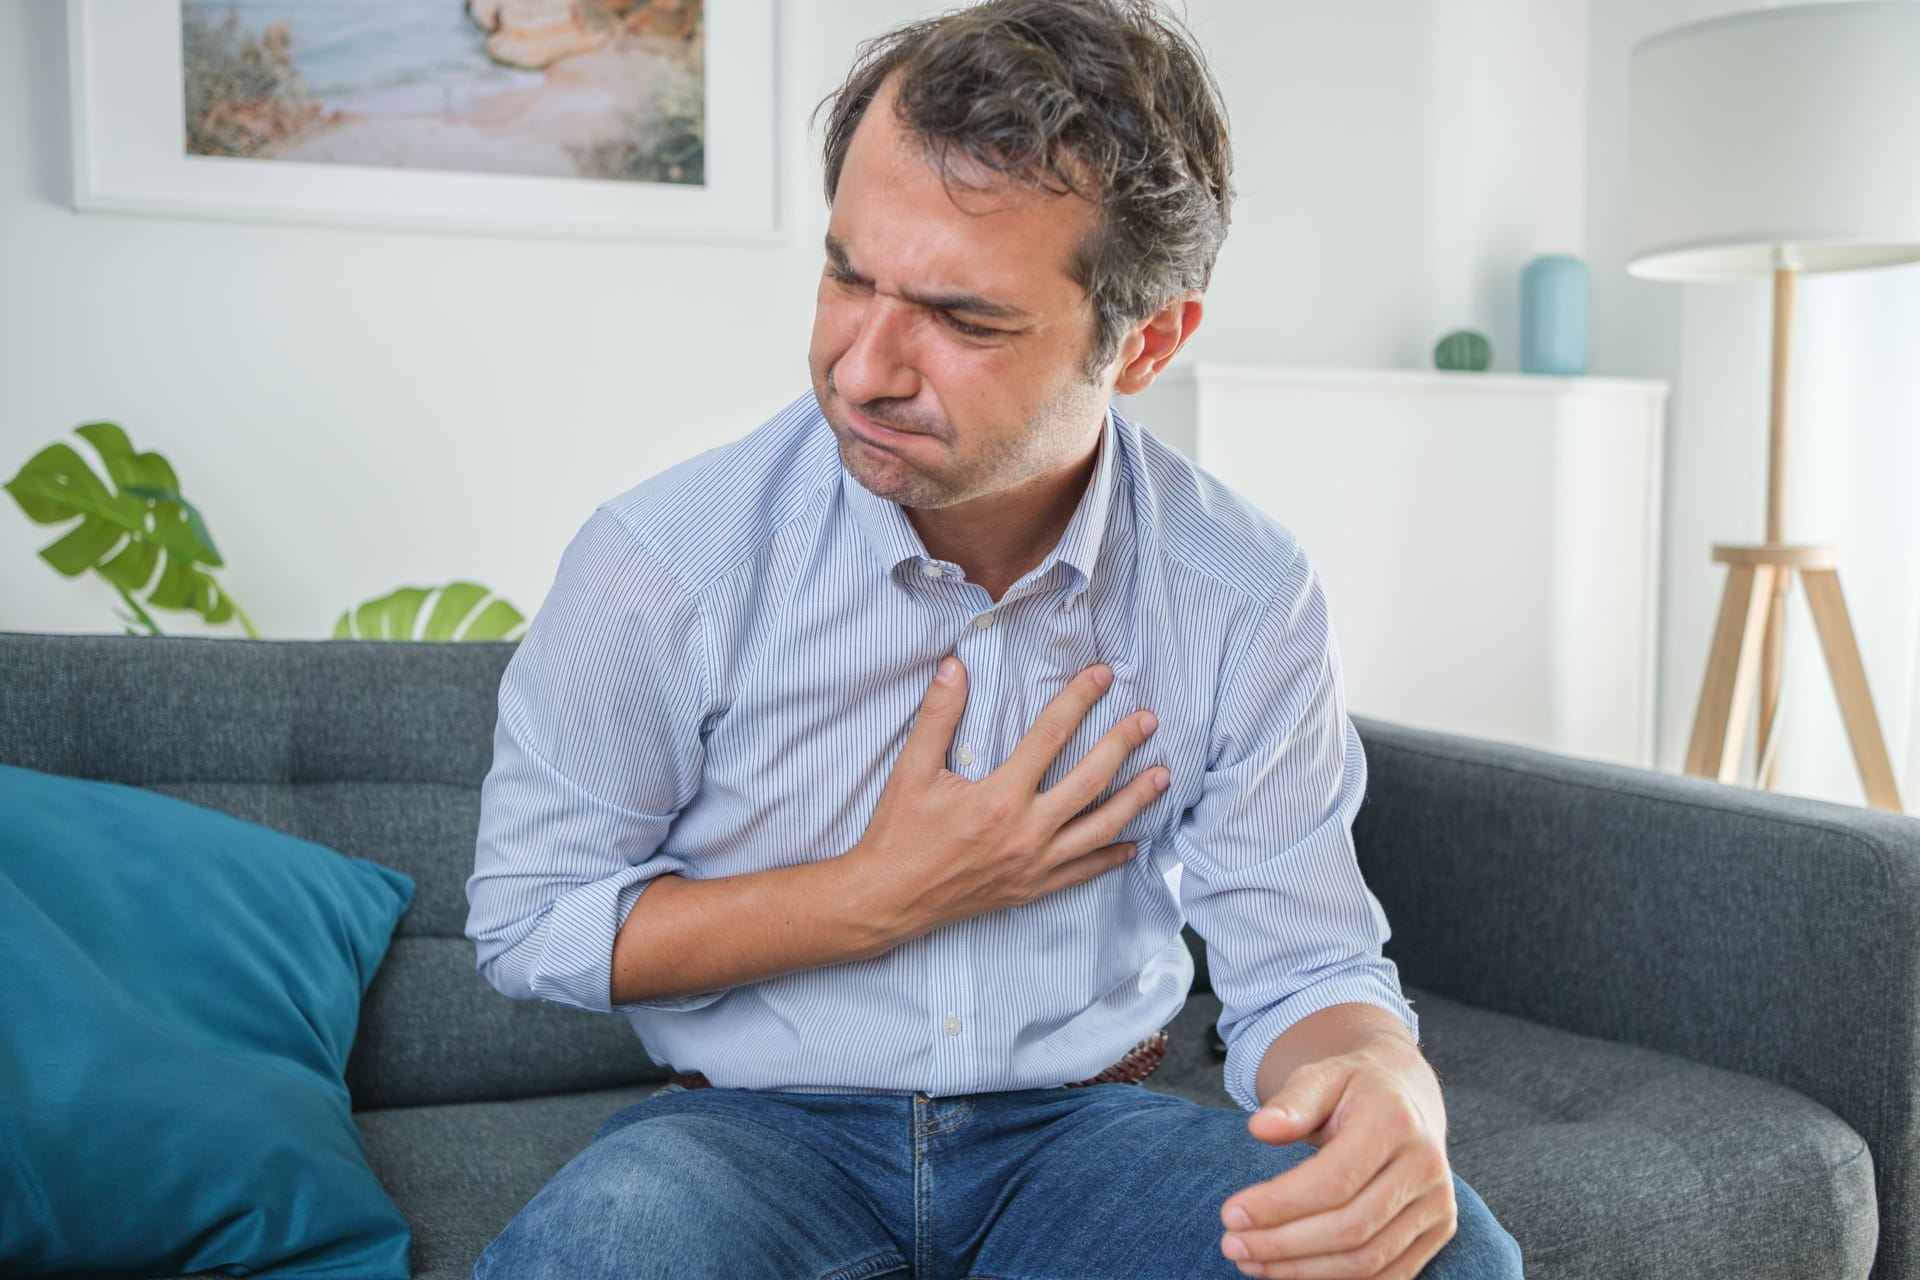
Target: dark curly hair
1107 99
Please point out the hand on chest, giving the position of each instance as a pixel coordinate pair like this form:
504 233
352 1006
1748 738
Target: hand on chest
813 730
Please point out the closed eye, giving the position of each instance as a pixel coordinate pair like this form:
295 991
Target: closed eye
848 280
841 271
970 330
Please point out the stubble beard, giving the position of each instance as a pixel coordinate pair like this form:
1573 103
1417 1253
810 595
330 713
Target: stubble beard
1004 462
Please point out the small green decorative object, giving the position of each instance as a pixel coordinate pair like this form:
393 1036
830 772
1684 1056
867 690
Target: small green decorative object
395 616
1463 350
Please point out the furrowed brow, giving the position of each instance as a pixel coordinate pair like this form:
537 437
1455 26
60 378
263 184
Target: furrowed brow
971 303
837 255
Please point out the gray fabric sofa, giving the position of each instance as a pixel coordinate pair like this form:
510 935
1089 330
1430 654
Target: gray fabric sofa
1676 1021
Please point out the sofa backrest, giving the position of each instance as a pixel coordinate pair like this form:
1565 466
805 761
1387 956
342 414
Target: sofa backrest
374 748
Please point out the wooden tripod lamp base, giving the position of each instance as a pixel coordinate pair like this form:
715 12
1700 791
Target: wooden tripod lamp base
1756 144
1758 578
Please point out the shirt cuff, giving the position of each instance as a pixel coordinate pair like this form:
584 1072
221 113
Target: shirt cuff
576 956
1376 983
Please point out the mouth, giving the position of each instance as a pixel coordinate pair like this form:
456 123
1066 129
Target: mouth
876 433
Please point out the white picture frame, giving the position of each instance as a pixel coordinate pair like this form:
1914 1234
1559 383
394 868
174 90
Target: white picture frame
129 155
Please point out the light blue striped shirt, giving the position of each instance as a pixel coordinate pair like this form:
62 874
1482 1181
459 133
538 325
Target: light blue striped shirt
729 660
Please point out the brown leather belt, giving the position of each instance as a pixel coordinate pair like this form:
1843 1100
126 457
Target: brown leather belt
1140 1062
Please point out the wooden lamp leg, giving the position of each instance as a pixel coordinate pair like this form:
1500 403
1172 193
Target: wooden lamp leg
1850 686
1773 652
1720 721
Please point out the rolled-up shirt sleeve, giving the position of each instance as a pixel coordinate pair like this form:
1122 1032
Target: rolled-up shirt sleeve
1270 879
596 749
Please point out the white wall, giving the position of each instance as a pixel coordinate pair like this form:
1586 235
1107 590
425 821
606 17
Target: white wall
1398 163
356 410
1854 449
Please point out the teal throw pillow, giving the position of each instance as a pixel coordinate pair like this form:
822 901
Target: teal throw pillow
178 993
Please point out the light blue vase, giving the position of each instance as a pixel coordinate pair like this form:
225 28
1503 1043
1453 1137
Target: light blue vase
1554 304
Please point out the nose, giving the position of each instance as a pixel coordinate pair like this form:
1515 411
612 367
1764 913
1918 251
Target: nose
876 365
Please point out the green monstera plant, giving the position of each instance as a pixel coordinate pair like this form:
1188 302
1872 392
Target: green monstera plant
396 616
128 523
137 519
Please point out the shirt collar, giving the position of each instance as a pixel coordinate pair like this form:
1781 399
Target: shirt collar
1079 547
893 538
883 523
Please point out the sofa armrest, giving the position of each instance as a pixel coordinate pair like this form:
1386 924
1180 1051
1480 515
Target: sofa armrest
1772 935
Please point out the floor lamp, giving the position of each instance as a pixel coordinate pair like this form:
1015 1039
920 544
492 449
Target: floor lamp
1775 143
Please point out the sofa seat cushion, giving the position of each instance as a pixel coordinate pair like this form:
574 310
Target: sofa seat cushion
1606 1160
1610 1162
1602 1159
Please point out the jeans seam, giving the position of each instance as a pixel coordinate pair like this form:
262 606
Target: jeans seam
922 1246
950 1123
875 1264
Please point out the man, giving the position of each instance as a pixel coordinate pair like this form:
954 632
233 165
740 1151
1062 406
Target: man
851 761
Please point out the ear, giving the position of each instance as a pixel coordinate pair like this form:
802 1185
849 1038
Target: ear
1145 350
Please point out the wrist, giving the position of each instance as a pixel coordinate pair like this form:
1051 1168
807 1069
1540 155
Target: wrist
1394 1051
874 914
1390 1046
1360 1035
1400 1058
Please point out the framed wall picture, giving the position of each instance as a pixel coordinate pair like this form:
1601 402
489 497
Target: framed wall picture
548 117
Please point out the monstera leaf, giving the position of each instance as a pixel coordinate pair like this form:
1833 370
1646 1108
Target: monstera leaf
396 616
127 524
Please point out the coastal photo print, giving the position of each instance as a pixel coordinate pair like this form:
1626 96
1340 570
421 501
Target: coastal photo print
606 118
597 89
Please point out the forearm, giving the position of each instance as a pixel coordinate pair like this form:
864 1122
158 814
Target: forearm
1341 1030
685 936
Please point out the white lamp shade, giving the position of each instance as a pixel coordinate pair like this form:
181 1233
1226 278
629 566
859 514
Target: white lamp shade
1793 129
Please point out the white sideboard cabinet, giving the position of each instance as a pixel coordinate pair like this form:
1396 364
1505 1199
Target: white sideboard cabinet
1489 543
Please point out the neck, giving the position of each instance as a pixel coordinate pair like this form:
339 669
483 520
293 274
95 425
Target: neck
1000 537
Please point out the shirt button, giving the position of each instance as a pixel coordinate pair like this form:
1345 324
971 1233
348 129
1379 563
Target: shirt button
984 621
951 1026
964 755
932 570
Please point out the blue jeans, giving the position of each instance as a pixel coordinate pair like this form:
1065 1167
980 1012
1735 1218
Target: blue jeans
1037 1184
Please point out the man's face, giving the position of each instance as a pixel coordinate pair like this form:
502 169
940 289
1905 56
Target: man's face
949 342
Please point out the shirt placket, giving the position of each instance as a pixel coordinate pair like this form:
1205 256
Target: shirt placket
977 633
